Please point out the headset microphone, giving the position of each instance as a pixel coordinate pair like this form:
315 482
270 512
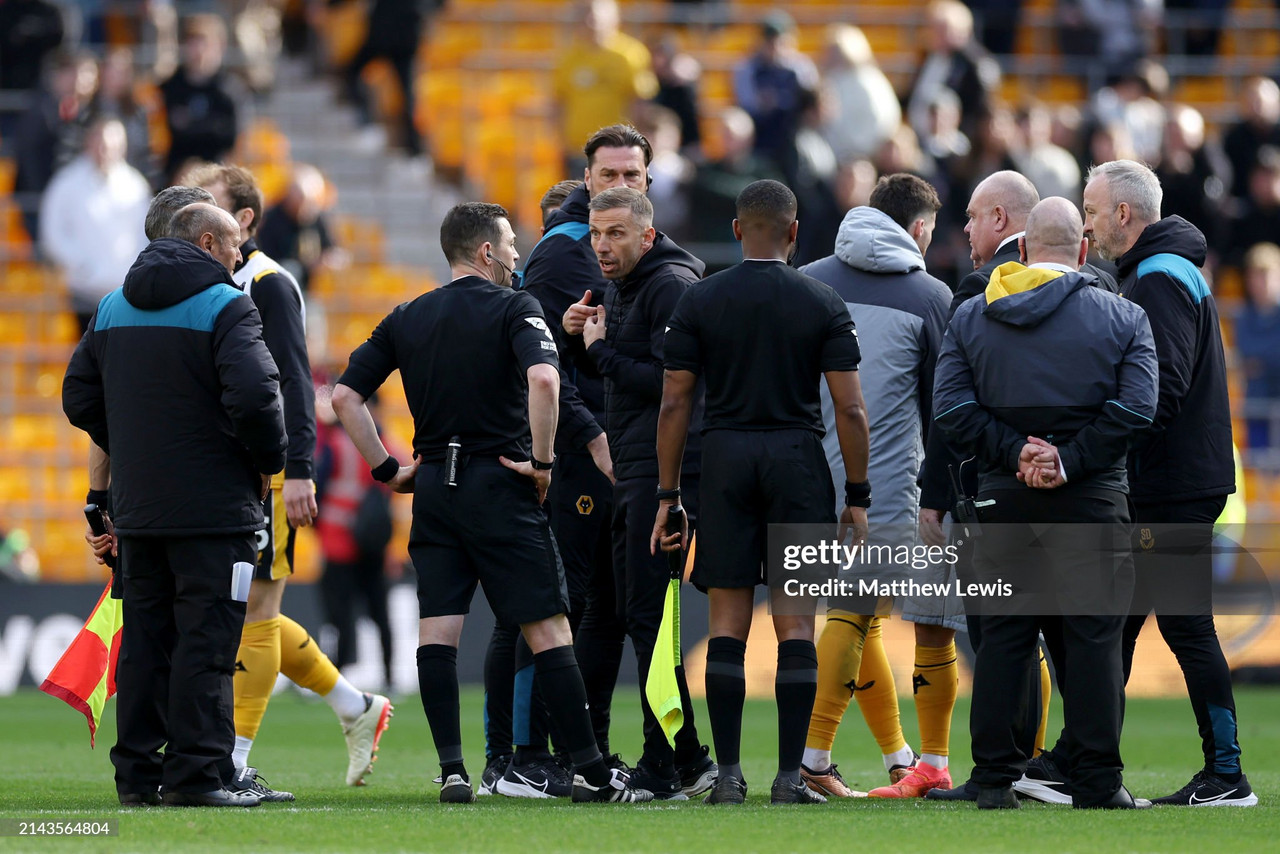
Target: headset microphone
510 271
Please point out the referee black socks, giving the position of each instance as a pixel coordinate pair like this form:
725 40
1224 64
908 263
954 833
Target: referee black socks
794 687
438 685
560 683
726 691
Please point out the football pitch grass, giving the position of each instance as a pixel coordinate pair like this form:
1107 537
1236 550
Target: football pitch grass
49 774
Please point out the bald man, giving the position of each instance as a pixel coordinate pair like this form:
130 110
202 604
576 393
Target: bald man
1046 354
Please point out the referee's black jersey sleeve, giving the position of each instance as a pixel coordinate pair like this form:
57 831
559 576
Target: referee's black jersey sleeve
531 339
761 334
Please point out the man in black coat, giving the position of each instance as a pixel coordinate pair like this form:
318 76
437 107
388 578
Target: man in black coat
208 391
647 273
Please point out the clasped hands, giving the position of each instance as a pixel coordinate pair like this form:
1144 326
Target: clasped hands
1040 465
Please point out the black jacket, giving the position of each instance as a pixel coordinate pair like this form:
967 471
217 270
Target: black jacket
936 491
1187 453
560 269
1043 354
202 117
173 380
630 358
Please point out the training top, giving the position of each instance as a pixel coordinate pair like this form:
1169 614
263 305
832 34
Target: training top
462 351
761 334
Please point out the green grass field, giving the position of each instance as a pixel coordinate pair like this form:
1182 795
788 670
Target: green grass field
49 773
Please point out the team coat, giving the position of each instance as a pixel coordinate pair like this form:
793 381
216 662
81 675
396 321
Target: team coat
175 383
279 300
561 267
1187 454
1041 353
629 357
900 313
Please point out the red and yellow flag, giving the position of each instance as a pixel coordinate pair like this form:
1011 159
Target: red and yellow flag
85 677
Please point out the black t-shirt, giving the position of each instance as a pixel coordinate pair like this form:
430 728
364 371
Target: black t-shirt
462 351
761 334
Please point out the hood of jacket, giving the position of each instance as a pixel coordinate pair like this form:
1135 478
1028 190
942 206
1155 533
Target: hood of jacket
572 209
1173 235
869 240
664 251
169 271
1025 296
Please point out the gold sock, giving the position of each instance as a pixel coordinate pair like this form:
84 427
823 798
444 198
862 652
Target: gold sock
935 683
877 695
257 664
302 660
1046 694
839 658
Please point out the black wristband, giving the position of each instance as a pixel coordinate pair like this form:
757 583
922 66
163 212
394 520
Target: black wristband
857 494
100 497
668 494
388 469
539 465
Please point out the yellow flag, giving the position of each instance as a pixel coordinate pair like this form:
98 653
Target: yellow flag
660 688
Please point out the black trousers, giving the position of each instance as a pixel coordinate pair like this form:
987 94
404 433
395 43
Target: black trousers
177 658
642 581
1094 701
401 59
343 587
1192 637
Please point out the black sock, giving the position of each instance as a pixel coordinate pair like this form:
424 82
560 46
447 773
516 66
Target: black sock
438 684
726 683
499 670
566 698
794 687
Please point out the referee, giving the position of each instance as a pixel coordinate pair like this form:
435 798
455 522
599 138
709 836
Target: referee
761 335
481 377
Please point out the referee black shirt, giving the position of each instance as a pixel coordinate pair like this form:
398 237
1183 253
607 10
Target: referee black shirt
761 334
463 374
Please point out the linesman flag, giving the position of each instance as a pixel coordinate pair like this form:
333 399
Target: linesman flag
661 689
85 677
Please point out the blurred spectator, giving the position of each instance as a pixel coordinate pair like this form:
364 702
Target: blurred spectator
994 145
1258 343
256 30
18 561
29 30
295 231
768 85
864 108
199 102
1203 21
91 218
670 172
1110 142
996 22
354 527
678 74
598 79
1133 100
714 194
1050 167
955 61
395 27
553 198
943 140
50 133
1257 220
1118 32
1193 173
815 181
1259 125
118 98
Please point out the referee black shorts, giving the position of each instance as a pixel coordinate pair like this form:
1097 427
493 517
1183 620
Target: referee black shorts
489 529
750 479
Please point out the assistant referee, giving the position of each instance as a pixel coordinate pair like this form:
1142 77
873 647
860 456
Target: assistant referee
481 377
762 335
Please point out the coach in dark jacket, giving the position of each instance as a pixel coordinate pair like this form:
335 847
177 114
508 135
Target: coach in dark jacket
174 382
1181 471
1043 354
648 273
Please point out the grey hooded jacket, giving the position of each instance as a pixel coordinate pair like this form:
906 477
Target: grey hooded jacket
900 312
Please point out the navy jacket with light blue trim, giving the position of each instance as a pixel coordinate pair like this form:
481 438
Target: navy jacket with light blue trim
1065 362
561 267
175 383
1187 452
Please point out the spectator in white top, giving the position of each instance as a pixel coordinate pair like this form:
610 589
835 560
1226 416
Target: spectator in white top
865 109
91 217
